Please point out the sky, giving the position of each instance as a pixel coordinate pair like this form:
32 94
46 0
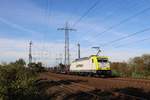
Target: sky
22 21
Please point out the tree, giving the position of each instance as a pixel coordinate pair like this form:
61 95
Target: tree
17 82
36 67
20 62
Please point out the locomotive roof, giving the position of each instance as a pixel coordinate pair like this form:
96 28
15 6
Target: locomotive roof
99 56
84 58
87 58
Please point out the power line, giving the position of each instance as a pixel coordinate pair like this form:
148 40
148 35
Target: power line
125 37
123 21
132 42
47 14
49 8
92 7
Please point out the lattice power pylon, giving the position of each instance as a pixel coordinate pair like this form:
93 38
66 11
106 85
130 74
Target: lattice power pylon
67 54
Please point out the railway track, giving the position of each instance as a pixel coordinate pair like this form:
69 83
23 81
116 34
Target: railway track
133 80
137 82
78 87
72 89
75 87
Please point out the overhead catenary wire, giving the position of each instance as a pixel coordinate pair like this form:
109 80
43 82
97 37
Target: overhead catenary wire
122 22
48 12
142 40
89 11
86 13
127 36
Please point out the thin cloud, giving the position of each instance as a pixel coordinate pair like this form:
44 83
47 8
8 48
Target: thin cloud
16 26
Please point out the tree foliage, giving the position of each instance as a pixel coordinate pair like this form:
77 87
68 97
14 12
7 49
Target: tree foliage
138 67
17 82
36 67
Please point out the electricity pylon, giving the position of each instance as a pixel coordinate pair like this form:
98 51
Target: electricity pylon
66 29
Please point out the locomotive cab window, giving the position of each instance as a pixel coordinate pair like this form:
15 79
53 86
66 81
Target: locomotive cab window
102 60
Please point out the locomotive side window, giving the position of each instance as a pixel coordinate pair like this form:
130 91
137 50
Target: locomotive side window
92 60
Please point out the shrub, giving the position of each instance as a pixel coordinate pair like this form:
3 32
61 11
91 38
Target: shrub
36 67
115 73
137 67
17 82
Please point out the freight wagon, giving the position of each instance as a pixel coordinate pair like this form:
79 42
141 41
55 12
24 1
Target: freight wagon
93 65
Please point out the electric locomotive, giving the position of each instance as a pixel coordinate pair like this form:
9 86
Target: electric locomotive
93 65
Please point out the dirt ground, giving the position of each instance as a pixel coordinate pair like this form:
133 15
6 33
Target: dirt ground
72 87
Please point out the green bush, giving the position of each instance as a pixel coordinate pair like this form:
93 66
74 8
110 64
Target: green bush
137 67
116 73
137 75
17 82
36 67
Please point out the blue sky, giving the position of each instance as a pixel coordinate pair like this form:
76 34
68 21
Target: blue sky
38 20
